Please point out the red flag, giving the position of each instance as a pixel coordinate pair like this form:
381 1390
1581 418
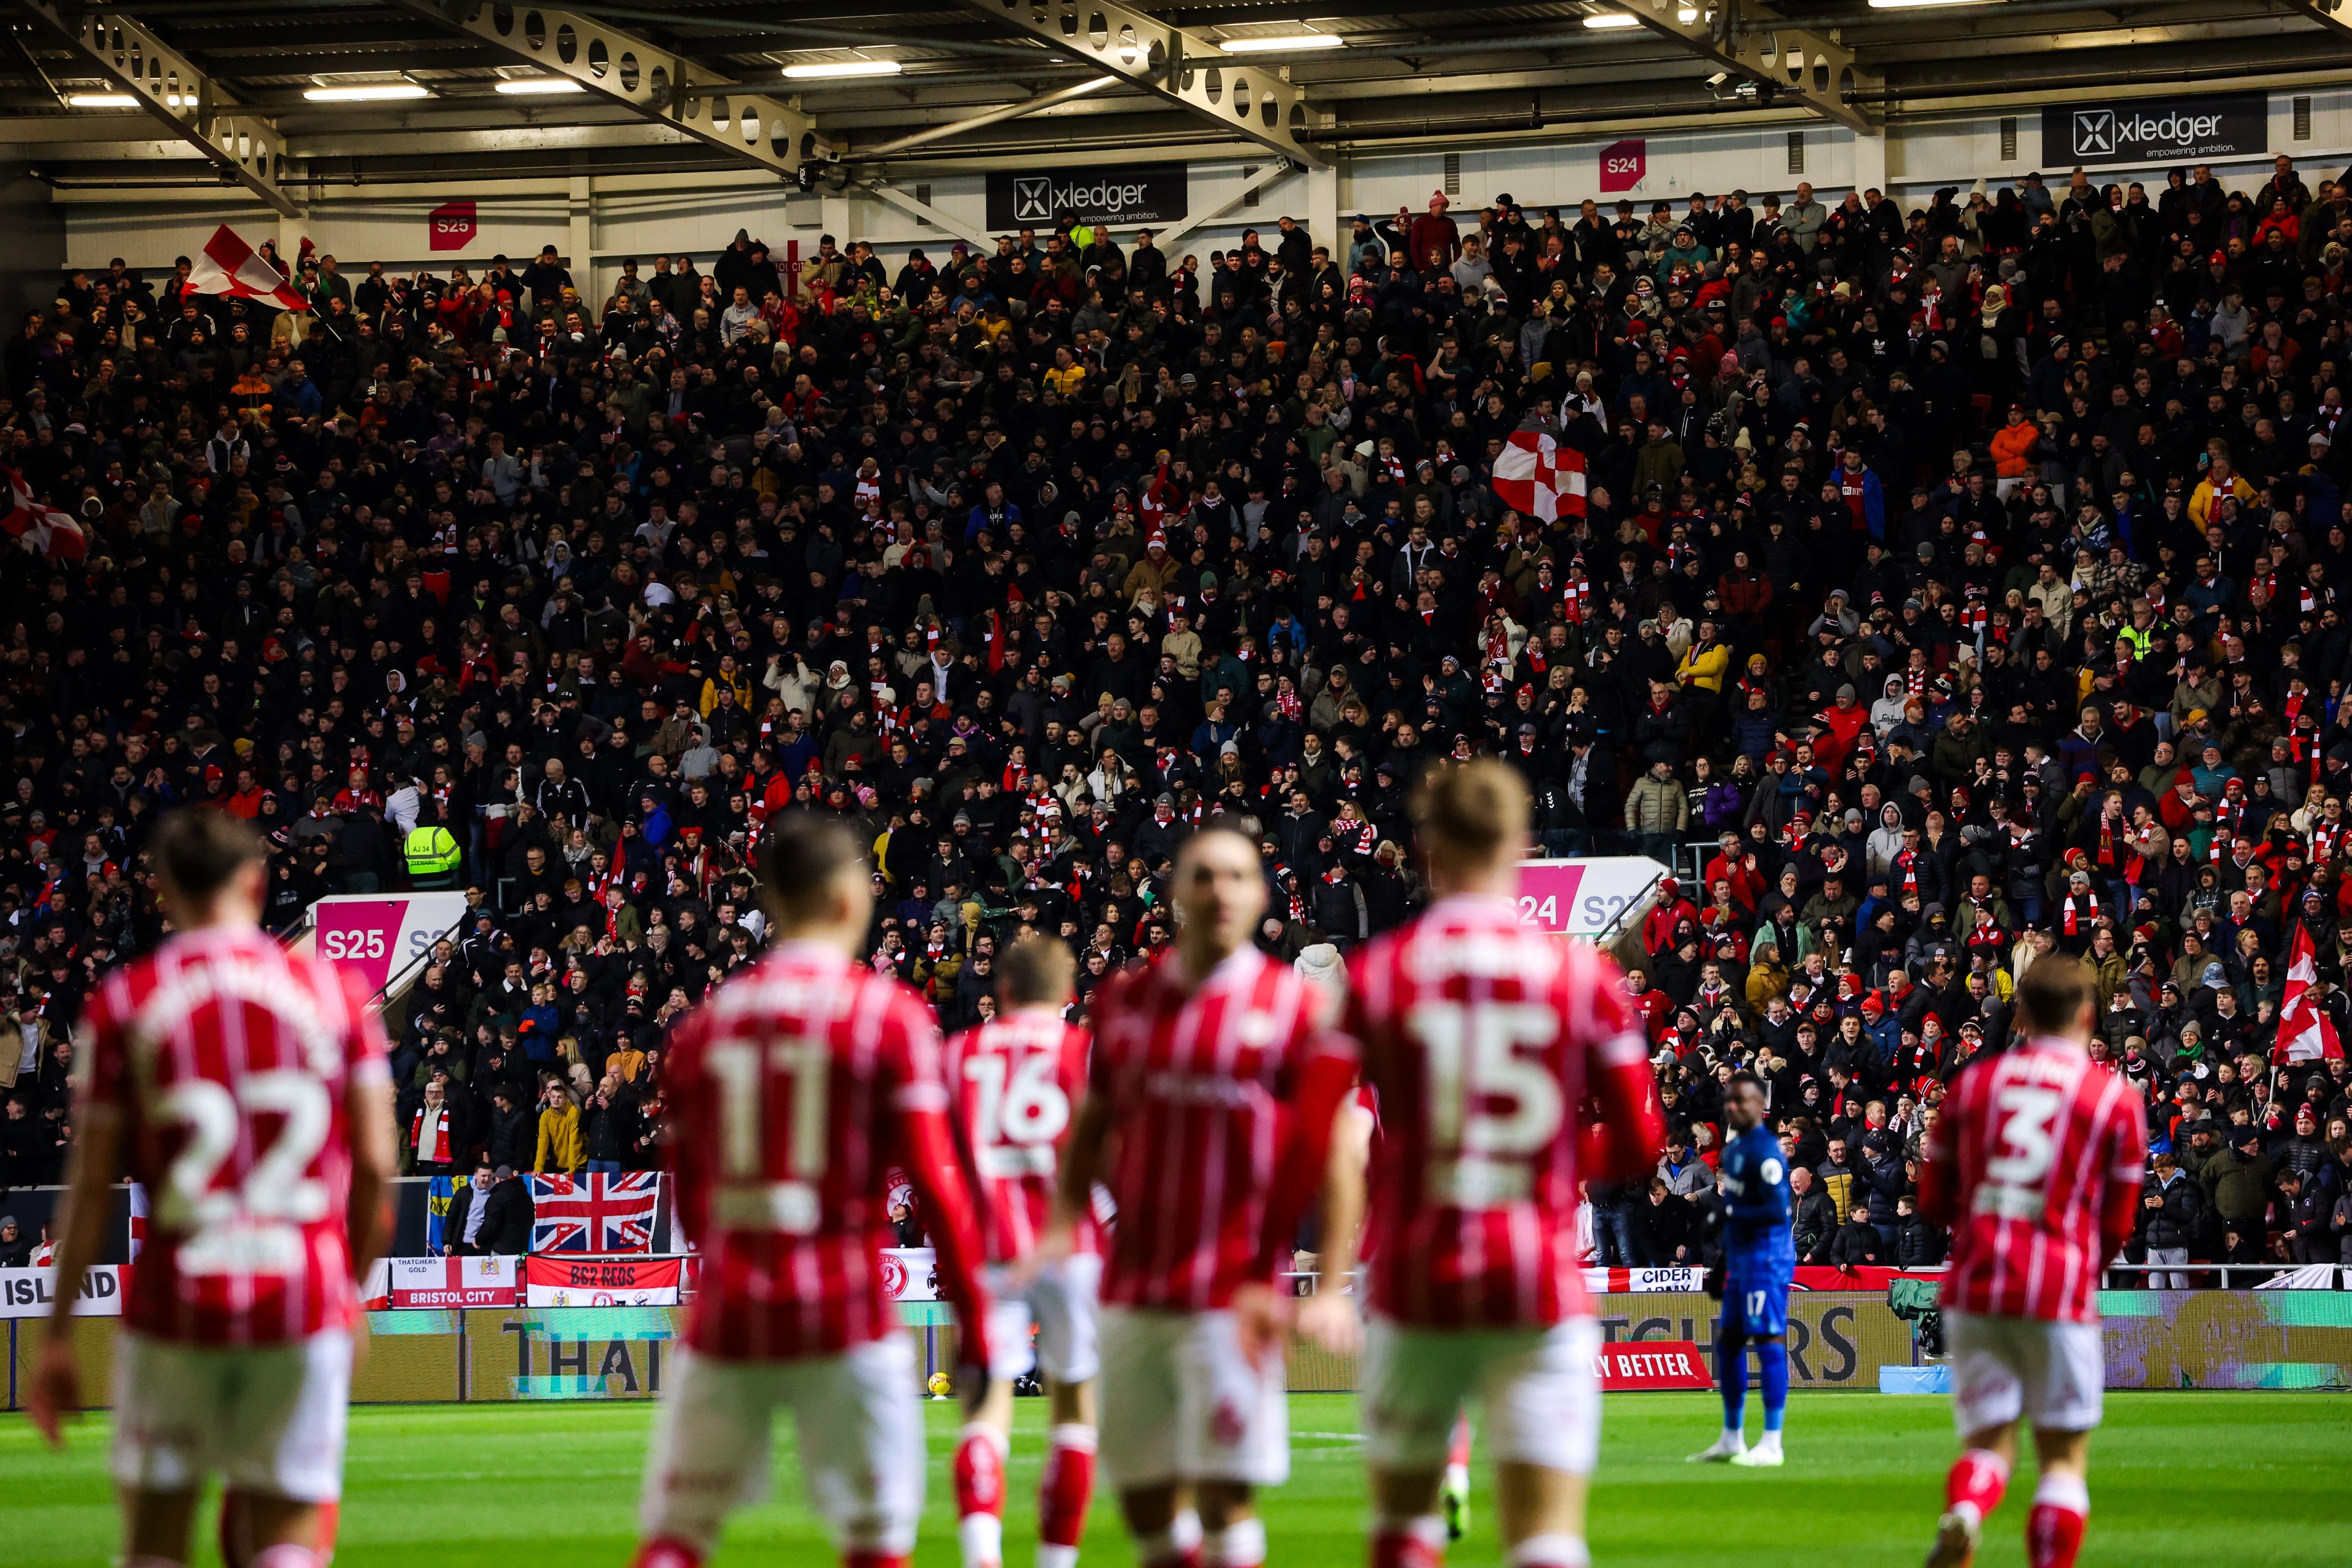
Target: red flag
1537 475
45 530
2304 1033
233 269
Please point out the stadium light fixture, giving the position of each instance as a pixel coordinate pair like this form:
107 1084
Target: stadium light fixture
112 101
1923 5
824 69
1608 19
366 92
538 87
1282 44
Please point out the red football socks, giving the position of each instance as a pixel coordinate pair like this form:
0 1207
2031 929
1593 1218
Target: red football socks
2053 1531
667 1552
1977 1480
1409 1542
1063 1492
980 1495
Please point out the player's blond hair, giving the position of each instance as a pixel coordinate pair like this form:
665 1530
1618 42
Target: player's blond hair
1034 971
2052 994
1471 813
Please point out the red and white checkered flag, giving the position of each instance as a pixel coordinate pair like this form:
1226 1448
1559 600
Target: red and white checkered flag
1539 478
233 269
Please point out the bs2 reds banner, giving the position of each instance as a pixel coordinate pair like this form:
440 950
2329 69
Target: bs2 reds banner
601 1282
1537 475
456 1281
1651 1365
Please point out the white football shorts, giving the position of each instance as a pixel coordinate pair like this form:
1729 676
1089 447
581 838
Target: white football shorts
266 1418
1060 1302
2052 1374
859 1417
1537 1386
1182 1402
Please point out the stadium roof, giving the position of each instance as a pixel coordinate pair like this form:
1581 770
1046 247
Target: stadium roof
360 92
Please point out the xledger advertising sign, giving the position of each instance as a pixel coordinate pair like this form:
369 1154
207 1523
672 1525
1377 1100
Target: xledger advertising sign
1121 197
2155 130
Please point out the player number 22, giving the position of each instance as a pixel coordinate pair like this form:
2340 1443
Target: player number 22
280 1187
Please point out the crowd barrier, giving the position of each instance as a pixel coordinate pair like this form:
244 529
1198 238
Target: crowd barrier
1838 1340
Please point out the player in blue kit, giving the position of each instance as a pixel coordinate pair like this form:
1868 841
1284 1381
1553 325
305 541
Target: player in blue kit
1759 1262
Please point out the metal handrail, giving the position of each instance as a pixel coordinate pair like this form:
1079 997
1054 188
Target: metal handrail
2252 1273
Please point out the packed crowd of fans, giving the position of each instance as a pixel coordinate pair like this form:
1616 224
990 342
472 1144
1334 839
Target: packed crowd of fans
1963 581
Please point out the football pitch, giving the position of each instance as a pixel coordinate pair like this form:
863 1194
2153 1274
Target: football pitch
2197 1480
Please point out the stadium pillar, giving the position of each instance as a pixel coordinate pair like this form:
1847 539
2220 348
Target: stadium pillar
582 236
1870 160
1323 210
833 207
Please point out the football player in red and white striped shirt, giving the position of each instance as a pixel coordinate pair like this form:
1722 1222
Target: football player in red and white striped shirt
1209 1106
1016 1080
246 1089
2035 1165
1482 1040
792 1091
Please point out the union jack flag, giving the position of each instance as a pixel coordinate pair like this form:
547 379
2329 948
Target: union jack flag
594 1213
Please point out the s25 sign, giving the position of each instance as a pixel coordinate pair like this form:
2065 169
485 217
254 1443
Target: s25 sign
337 945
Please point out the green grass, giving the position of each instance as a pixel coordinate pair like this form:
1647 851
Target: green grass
2199 1480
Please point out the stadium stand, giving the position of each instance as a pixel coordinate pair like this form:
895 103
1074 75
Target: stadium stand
1950 585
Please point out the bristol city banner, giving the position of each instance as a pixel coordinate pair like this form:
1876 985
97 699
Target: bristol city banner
601 1282
456 1281
29 1293
1652 1364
